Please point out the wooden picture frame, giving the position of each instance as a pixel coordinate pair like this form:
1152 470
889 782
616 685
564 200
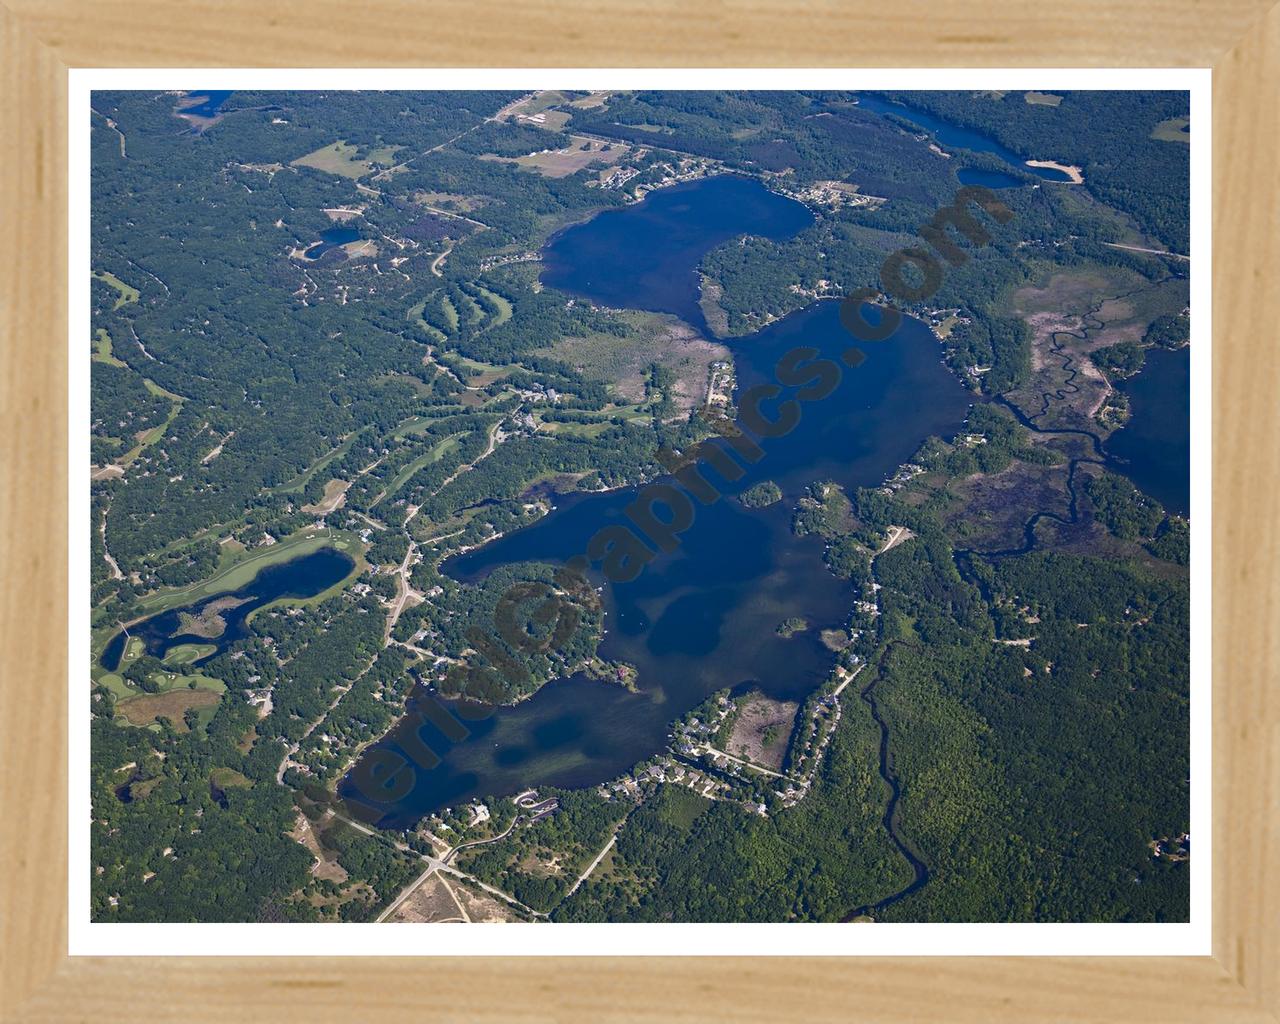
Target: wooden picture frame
41 39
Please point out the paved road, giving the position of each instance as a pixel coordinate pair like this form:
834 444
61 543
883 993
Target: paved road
592 866
1154 252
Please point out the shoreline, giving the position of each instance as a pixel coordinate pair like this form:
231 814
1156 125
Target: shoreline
1076 174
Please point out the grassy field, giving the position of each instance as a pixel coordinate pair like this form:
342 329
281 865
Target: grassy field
623 363
595 99
579 152
102 350
185 654
143 710
155 433
478 374
127 292
454 202
334 493
226 778
434 454
539 102
501 307
450 313
1176 129
413 425
177 692
762 730
414 315
343 159
300 481
114 682
574 429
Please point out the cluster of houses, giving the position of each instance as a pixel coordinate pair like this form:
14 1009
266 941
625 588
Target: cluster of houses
684 169
833 195
617 177
489 262
720 384
907 472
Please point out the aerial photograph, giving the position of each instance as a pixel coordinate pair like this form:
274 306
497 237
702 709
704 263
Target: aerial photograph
639 506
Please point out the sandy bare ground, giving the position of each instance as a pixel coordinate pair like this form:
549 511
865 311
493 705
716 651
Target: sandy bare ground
116 574
1075 173
335 494
895 536
430 903
439 261
303 833
482 909
217 450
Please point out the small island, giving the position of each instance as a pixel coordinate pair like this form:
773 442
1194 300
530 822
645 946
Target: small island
761 495
790 627
209 623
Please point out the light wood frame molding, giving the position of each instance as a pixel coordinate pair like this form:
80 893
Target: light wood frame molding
41 39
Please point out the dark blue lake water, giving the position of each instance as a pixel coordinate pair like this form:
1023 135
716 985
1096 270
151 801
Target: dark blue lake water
213 100
952 135
987 179
331 238
299 578
1154 448
703 617
646 256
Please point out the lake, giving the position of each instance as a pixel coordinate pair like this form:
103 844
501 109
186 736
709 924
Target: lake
949 134
646 256
703 617
1153 449
987 179
300 577
331 238
211 102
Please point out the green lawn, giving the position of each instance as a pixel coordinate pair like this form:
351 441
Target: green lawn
450 314
501 307
1176 129
415 316
155 433
180 681
133 649
114 682
336 158
128 293
479 374
185 654
102 350
300 481
433 454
